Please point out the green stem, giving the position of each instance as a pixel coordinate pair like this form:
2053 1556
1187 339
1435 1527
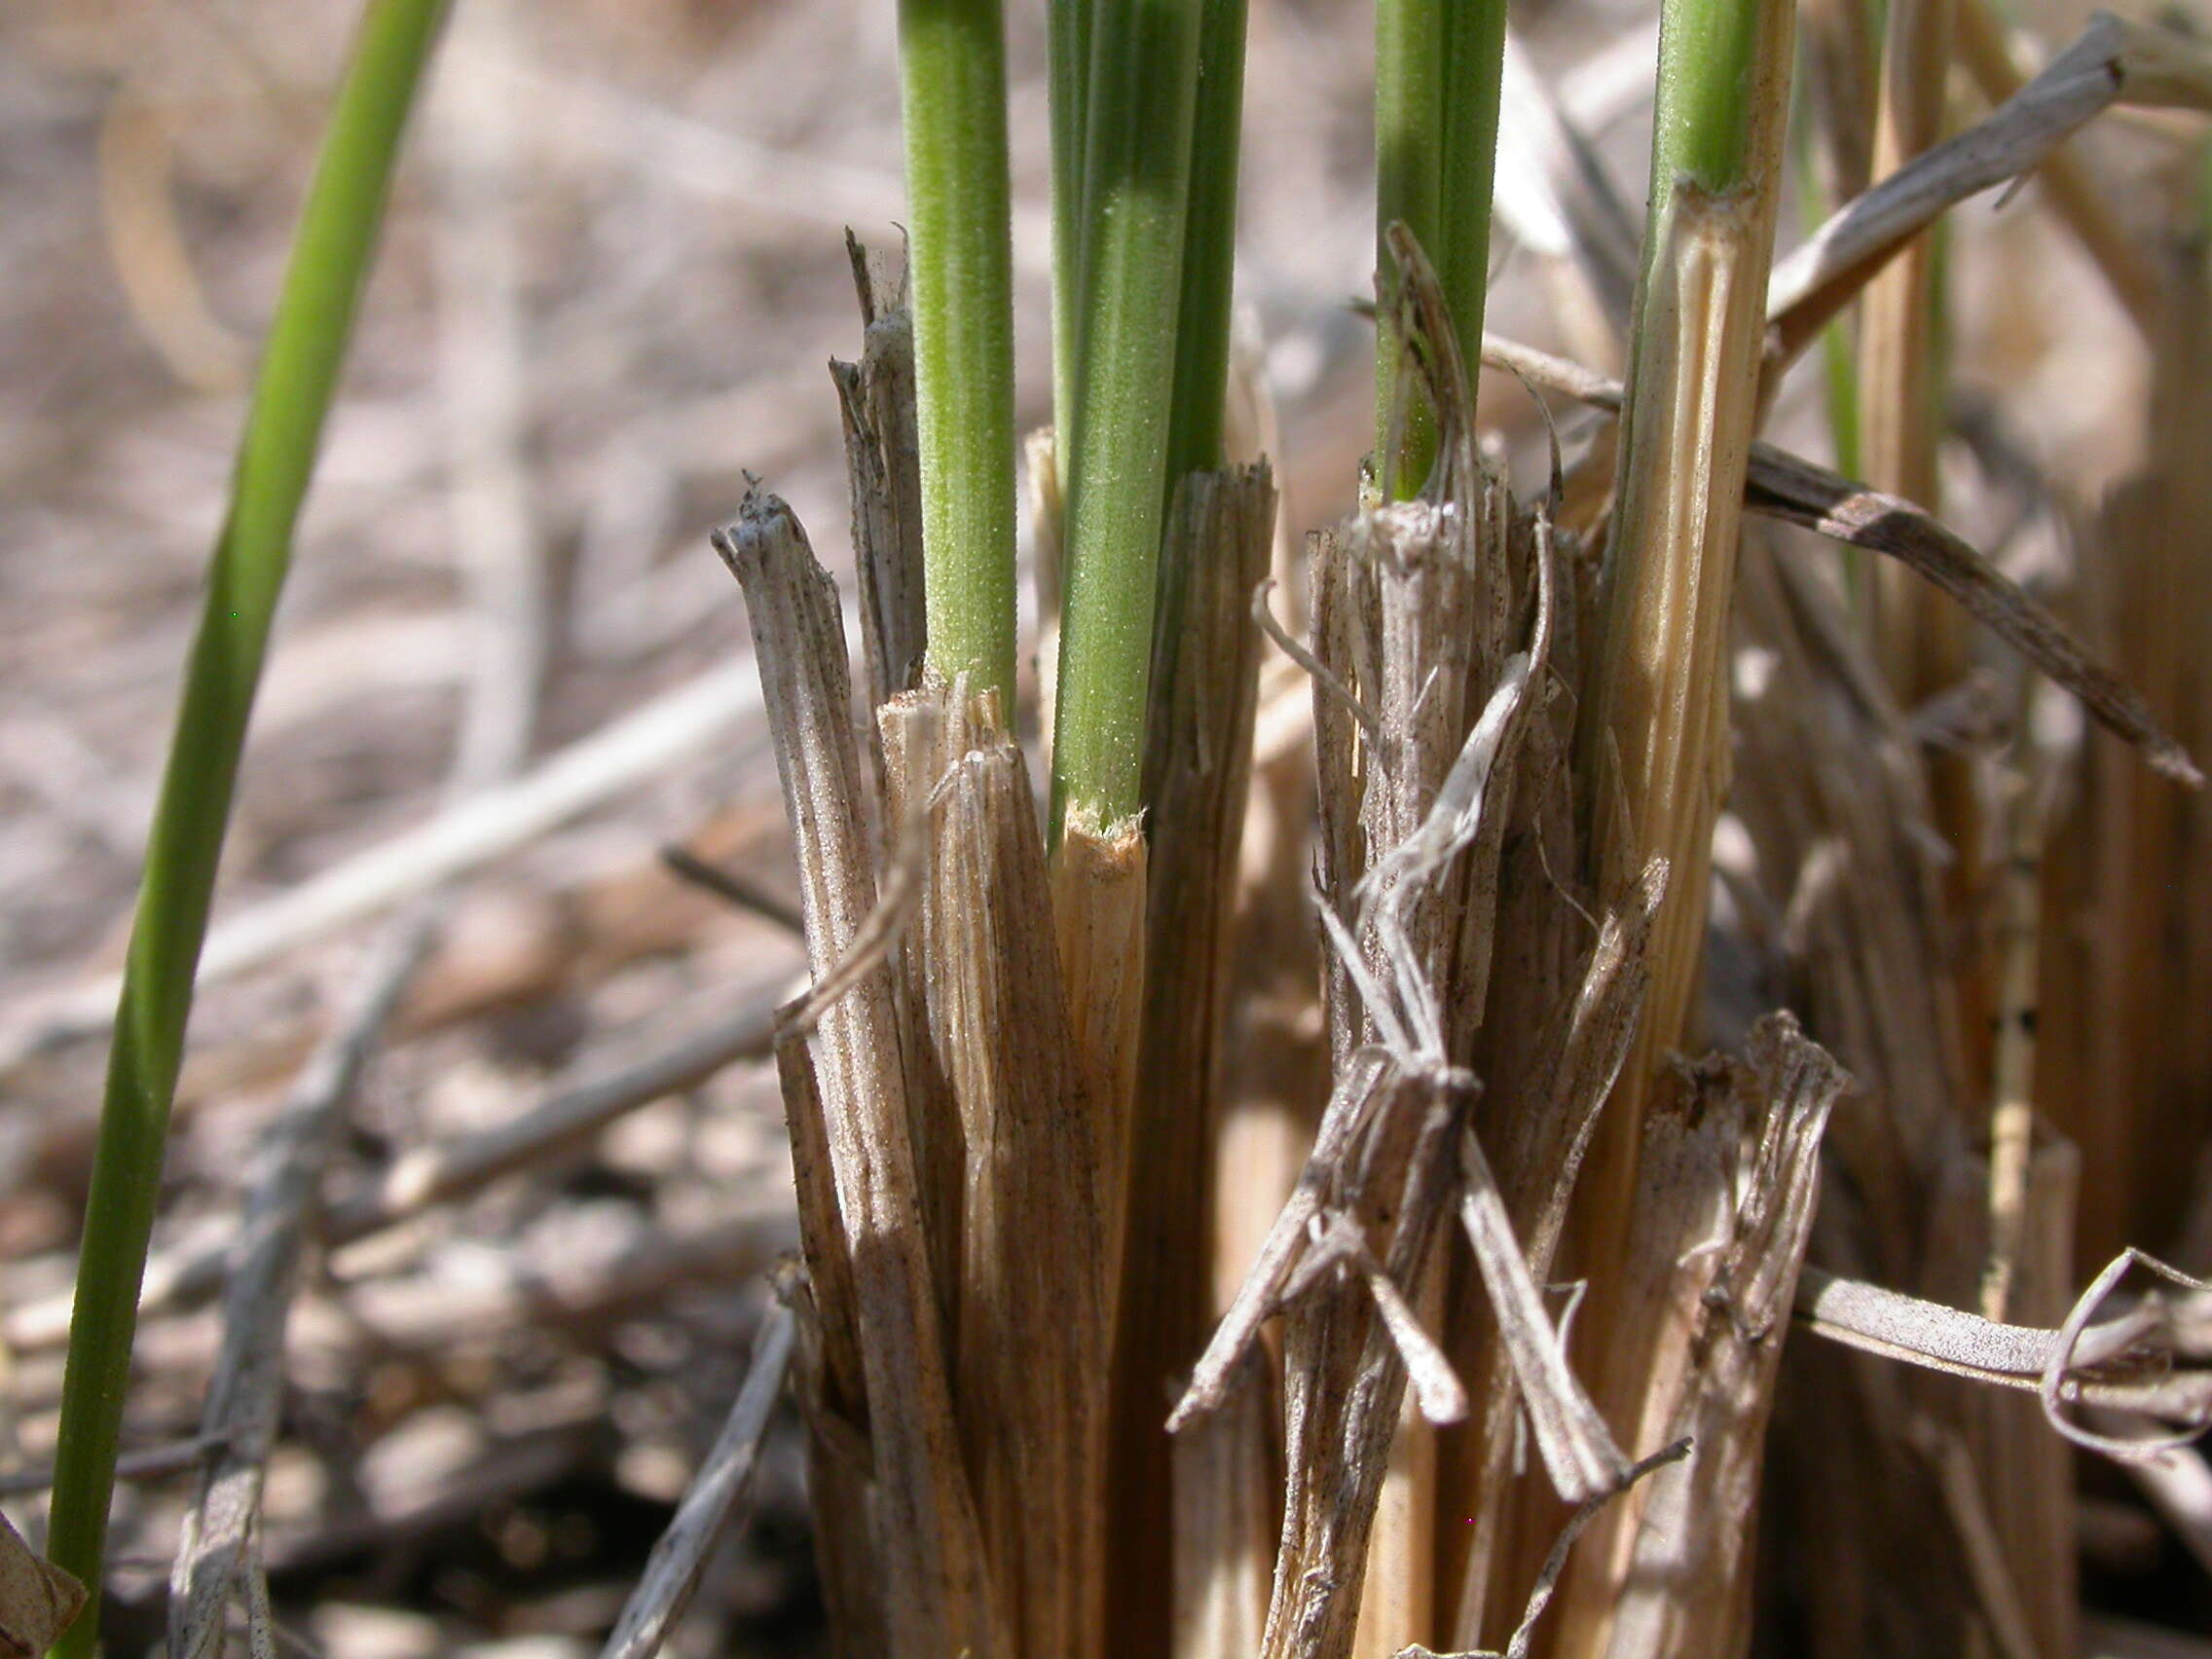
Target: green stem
952 78
299 372
1408 161
1067 24
1708 53
1143 85
1474 79
1203 330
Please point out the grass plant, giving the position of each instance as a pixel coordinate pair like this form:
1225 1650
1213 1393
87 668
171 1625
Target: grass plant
1006 1092
1655 751
1684 445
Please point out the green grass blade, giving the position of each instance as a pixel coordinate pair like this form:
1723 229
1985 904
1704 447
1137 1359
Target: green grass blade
1143 87
952 82
299 370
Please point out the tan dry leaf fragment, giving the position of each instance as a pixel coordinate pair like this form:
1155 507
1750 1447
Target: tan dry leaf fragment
38 1601
883 470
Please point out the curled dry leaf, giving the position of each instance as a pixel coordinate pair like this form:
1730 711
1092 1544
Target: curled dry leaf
2134 1363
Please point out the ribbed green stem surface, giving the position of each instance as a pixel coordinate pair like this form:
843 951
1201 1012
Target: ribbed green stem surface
1409 162
1067 24
1701 127
1474 77
1209 245
1143 84
299 372
952 79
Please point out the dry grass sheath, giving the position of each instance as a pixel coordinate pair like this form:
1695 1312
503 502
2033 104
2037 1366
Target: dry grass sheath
926 1533
1205 688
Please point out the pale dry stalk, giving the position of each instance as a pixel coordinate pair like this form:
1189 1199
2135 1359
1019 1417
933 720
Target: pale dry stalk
1903 398
1688 1588
1655 745
1657 739
1098 884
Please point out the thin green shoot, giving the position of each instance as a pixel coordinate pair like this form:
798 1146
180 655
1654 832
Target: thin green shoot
1702 129
952 80
1474 80
1203 330
1839 365
299 372
1068 33
1409 162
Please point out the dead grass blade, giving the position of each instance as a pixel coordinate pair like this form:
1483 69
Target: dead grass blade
217 1560
1577 1449
2125 1364
1797 492
2112 62
2079 197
